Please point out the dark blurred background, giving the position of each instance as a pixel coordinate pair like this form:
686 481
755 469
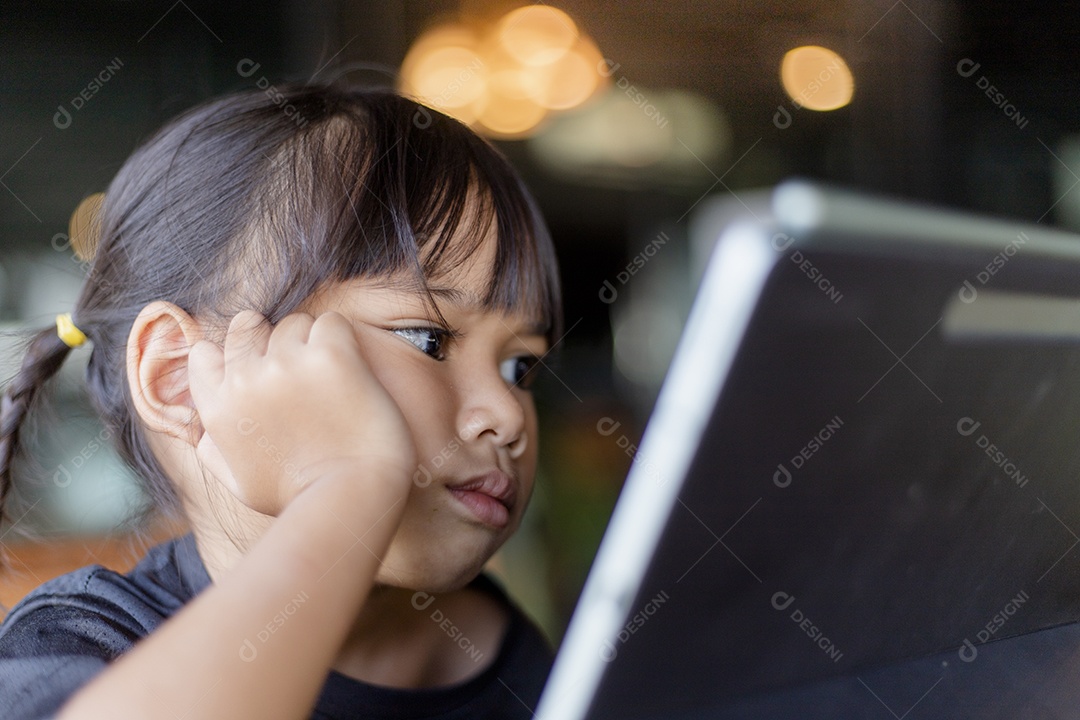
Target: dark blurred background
970 105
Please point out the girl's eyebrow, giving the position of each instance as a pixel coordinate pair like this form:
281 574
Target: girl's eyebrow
470 301
464 299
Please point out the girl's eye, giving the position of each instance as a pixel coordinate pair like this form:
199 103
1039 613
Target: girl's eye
519 370
429 340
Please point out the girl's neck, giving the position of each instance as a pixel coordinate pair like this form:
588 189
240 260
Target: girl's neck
408 640
401 638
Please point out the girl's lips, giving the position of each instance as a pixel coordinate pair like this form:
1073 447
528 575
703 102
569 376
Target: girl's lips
490 497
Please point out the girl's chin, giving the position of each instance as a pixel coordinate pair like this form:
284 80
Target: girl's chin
431 585
446 572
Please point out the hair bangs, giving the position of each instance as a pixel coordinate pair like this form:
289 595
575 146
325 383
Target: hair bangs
368 192
460 188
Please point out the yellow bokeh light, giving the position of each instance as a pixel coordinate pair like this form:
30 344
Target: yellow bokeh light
433 40
509 117
573 78
817 78
465 113
447 77
505 77
537 34
441 36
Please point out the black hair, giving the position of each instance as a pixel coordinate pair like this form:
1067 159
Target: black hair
255 201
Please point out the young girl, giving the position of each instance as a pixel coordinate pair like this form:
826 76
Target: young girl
312 334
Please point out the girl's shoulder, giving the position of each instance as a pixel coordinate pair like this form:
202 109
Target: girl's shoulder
65 631
166 578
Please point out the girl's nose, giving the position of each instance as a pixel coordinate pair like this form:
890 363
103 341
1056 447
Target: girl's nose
491 409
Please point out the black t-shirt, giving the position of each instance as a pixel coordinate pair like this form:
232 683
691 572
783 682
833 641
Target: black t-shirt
67 630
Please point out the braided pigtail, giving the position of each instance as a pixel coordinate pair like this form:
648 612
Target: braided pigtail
44 356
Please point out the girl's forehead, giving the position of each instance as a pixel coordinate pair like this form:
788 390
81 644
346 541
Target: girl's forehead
473 271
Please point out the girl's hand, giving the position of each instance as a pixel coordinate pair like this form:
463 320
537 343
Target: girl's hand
285 405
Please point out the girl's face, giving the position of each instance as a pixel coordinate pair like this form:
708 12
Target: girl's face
472 419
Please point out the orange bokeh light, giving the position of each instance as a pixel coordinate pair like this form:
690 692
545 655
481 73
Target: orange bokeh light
504 78
817 78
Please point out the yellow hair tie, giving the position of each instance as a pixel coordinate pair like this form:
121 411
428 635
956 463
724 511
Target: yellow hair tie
65 327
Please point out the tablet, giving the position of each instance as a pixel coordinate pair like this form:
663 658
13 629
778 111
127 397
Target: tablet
859 489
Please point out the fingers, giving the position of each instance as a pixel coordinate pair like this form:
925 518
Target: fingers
291 332
207 361
248 334
332 328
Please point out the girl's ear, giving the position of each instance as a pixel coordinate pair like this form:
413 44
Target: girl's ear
157 370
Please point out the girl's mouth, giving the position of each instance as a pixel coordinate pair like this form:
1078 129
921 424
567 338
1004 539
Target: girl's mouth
490 497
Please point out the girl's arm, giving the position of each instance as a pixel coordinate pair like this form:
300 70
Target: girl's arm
259 643
208 660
